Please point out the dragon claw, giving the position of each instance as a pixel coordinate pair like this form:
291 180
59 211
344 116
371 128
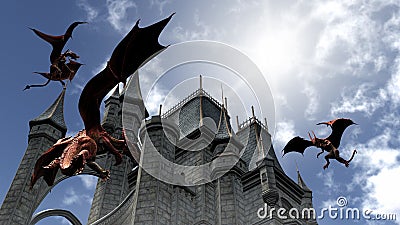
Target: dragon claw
105 175
118 159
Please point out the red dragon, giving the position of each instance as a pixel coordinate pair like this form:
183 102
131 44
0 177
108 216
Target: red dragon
329 144
59 69
71 154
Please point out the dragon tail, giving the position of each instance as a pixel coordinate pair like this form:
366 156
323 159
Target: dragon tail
352 156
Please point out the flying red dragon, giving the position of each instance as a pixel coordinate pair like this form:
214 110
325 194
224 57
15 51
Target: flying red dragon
329 144
72 153
60 69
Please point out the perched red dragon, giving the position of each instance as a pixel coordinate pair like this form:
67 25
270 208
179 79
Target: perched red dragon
71 154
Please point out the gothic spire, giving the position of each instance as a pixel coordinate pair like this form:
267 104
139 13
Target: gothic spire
224 129
54 115
301 182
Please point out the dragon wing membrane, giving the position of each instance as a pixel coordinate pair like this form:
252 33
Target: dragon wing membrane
134 49
71 28
47 37
338 127
297 144
57 42
45 159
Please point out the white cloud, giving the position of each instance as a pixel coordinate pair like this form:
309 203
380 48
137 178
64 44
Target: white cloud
327 179
154 99
284 132
88 181
329 203
160 4
239 5
91 12
364 99
393 85
117 10
378 165
63 220
201 30
71 197
313 101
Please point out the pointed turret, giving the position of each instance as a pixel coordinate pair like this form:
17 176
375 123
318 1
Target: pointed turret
54 115
44 131
224 130
112 107
306 201
301 182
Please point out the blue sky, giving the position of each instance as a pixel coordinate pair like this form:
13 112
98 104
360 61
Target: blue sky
322 59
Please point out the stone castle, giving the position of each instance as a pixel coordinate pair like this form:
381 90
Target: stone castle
133 196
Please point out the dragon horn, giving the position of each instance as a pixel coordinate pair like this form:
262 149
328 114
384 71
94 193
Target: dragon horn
309 135
314 134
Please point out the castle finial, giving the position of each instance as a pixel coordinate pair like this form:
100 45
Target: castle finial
252 112
54 114
159 110
201 82
237 122
300 180
222 96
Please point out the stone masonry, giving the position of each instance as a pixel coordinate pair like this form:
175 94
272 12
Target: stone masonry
234 194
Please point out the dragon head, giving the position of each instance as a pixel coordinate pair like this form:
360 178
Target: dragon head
318 142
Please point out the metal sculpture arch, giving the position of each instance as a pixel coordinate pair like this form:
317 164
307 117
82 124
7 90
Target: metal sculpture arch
86 171
55 212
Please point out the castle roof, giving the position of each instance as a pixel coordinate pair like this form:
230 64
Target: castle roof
190 112
224 129
54 115
253 132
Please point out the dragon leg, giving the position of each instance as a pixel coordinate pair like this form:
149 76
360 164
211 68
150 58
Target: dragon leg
107 139
104 174
330 155
322 151
63 83
340 159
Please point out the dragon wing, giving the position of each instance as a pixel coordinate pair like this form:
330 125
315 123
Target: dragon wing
71 28
57 42
338 126
47 37
139 45
297 144
133 50
45 159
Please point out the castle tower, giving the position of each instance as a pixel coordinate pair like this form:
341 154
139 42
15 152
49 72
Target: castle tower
109 194
20 202
237 193
229 193
195 132
306 201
